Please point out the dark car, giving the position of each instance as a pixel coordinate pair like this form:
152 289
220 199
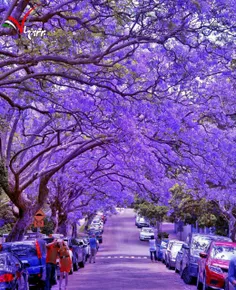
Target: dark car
33 253
196 243
214 265
142 222
13 273
79 255
161 249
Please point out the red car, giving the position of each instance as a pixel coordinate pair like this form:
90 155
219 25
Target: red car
213 265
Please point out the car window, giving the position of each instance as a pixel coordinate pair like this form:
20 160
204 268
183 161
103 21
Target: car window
223 252
24 250
2 261
15 260
199 244
148 230
176 247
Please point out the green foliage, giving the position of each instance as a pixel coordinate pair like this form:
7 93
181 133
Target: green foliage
191 209
154 213
6 229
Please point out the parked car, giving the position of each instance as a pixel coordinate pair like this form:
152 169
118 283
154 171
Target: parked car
146 234
142 222
170 243
161 249
79 256
172 252
196 243
33 253
13 272
102 216
137 217
214 265
84 243
179 257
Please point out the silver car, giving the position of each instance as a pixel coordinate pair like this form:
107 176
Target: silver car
146 234
171 253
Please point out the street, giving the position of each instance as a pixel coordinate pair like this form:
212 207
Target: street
123 263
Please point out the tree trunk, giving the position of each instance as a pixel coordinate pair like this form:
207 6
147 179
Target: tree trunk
21 225
232 228
54 218
62 225
74 230
27 210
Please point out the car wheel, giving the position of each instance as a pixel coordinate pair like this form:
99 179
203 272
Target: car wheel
75 266
226 284
186 277
81 264
199 283
71 270
204 287
176 270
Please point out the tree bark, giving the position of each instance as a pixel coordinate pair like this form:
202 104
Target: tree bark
62 224
232 228
21 225
74 230
27 210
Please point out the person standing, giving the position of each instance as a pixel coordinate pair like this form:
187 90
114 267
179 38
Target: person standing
51 264
232 272
93 248
65 263
152 249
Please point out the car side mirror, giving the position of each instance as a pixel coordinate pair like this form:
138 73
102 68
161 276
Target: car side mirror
203 255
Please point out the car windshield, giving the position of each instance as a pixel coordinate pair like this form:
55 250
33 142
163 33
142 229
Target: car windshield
199 244
24 250
147 230
175 248
223 252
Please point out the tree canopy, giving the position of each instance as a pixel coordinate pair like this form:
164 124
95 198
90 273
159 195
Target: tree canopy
124 97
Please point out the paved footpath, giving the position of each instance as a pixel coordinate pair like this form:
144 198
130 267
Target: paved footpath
123 263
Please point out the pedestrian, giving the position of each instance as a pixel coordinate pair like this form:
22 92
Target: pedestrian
93 248
65 263
51 264
232 272
153 249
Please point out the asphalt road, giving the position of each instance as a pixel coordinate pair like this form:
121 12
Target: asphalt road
123 263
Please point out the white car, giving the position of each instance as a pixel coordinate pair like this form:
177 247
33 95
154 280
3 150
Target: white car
146 234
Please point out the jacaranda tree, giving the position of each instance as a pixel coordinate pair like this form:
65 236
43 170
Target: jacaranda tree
151 84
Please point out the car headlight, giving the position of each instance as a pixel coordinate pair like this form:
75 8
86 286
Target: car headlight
215 269
193 259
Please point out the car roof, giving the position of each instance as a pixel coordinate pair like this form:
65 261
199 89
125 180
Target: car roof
173 241
147 228
28 242
224 243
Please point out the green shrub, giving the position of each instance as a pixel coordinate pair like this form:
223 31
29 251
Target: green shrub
163 235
